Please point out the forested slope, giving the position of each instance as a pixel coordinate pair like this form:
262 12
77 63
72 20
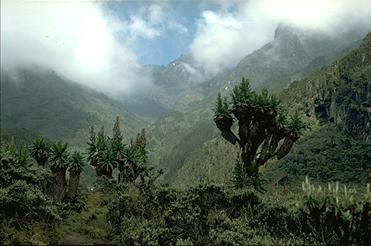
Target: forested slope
41 102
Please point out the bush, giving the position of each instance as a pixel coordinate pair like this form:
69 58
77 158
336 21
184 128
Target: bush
213 215
335 215
22 202
24 193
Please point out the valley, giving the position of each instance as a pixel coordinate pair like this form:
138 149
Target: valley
274 149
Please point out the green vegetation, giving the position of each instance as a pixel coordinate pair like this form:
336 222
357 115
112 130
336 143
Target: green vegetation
213 215
40 151
105 154
262 124
39 102
59 164
25 194
75 168
44 197
326 155
338 94
341 88
135 209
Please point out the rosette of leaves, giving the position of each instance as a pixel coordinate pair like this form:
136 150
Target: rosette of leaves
40 151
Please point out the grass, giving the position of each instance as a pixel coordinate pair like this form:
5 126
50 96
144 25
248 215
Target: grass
88 227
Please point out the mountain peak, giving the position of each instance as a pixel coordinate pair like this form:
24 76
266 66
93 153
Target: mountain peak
284 31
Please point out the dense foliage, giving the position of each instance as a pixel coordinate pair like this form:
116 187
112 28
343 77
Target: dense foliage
139 211
327 155
32 193
338 94
25 194
40 151
106 153
213 215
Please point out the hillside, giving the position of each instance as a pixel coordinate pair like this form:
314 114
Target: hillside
339 93
338 96
41 102
196 103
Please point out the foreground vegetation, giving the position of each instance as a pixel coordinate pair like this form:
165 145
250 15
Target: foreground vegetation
208 214
42 200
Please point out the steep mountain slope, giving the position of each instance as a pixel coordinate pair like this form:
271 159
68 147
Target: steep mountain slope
42 102
324 154
292 54
340 93
337 102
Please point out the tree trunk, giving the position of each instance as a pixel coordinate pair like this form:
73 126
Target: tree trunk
41 162
60 180
73 186
249 167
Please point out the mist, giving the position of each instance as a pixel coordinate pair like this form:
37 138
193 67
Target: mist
74 38
85 43
226 35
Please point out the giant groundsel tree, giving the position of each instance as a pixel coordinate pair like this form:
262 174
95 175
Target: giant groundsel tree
76 166
40 151
265 130
59 163
106 153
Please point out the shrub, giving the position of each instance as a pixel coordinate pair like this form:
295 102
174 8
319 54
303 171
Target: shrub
335 215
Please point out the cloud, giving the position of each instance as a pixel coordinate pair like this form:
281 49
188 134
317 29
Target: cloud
99 48
237 28
156 13
74 38
150 22
138 27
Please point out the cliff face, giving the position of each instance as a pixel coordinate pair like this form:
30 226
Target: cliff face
339 94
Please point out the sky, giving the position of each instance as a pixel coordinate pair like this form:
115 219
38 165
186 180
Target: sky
161 31
105 44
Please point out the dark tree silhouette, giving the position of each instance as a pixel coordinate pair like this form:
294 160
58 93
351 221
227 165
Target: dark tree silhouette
264 129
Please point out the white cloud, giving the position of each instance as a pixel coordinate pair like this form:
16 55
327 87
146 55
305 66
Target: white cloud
177 27
150 22
78 39
225 36
140 28
156 13
73 38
